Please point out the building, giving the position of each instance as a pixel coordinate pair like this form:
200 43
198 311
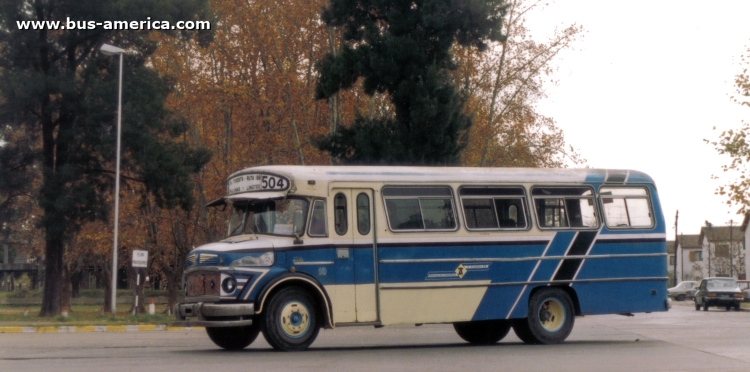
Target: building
723 250
690 261
746 242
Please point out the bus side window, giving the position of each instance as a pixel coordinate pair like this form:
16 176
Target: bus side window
493 207
363 214
626 207
564 207
419 208
318 219
339 210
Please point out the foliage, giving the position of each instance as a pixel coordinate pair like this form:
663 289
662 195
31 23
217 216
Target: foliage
734 143
504 85
403 49
59 90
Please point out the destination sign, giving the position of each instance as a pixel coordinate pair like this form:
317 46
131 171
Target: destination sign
256 182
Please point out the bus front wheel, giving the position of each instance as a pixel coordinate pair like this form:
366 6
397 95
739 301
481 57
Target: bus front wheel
233 338
549 320
482 332
290 322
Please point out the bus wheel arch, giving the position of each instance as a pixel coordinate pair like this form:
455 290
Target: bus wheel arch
291 321
550 317
309 284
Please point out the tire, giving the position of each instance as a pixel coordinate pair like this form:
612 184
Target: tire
705 305
737 307
484 332
728 308
290 322
550 318
680 297
522 330
697 306
233 338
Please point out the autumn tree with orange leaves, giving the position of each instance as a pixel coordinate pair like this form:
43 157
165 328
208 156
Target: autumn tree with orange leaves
249 97
504 84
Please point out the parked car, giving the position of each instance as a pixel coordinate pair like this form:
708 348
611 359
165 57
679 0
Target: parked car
718 292
745 287
683 291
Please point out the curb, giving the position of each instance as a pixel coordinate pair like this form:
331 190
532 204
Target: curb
83 329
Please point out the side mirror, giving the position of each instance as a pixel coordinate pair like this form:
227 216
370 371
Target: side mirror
299 222
299 225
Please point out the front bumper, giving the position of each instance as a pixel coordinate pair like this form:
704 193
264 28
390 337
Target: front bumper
200 314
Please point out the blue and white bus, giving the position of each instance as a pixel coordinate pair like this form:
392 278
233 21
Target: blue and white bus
484 249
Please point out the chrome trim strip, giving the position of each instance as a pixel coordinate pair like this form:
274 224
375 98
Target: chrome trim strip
521 259
539 282
312 263
631 236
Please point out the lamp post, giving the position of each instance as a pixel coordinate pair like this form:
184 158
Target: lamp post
111 50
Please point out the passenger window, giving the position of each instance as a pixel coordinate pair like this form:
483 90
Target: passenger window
419 208
494 207
626 207
363 214
339 210
564 207
318 219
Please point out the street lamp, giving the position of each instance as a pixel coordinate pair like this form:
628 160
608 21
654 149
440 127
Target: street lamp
111 50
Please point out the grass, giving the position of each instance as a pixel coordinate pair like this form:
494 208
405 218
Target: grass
79 316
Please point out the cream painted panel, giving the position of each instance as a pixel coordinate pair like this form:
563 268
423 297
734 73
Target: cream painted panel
430 305
341 300
366 303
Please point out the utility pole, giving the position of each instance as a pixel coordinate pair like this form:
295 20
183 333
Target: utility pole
682 268
731 251
676 244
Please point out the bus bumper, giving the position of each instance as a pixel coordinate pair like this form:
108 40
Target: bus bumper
201 314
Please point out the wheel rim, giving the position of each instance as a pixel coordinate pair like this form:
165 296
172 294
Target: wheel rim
294 319
551 315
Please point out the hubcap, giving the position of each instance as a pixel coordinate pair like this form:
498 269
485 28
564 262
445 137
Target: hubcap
551 315
295 319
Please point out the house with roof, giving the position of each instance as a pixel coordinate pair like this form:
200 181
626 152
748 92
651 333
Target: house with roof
689 261
746 241
723 250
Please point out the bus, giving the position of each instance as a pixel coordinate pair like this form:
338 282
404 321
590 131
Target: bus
483 249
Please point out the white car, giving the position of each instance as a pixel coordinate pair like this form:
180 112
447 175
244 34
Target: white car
683 291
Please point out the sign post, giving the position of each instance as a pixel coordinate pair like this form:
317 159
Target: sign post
140 260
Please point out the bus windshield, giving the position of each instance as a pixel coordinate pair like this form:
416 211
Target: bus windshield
274 217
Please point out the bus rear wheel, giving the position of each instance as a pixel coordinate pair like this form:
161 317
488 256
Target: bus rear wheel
549 320
290 323
233 338
483 332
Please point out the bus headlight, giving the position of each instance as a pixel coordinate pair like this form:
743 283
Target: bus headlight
229 284
256 259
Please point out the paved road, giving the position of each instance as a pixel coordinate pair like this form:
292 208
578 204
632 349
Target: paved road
681 340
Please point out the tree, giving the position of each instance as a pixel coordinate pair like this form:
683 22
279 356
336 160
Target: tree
504 84
403 48
59 89
734 142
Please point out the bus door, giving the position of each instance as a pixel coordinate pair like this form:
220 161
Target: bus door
352 222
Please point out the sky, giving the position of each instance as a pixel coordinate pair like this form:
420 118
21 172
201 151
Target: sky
643 88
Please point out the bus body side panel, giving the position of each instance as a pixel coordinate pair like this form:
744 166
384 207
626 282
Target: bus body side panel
516 297
417 289
636 256
643 286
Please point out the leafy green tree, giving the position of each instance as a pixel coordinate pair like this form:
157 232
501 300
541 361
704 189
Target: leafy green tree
403 48
56 87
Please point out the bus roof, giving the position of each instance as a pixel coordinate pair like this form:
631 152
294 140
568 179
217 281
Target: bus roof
405 174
